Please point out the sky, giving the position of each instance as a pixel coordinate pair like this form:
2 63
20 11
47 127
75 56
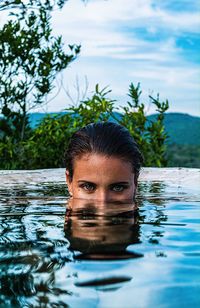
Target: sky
154 42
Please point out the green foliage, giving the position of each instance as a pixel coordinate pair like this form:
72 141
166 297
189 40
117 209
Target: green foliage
149 135
24 4
47 143
30 58
97 108
44 149
50 140
182 155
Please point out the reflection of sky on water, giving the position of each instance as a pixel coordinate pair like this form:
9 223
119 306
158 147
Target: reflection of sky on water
129 258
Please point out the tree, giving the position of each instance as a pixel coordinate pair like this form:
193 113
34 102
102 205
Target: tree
97 108
30 58
150 135
24 4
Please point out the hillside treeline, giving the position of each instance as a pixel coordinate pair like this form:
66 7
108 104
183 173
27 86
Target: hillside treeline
183 155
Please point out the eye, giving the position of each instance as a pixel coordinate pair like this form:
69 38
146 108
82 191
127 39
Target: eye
118 187
89 187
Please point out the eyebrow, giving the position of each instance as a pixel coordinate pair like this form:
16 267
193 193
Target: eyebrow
80 181
115 183
120 183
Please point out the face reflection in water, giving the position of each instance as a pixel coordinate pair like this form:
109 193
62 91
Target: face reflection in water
101 230
102 178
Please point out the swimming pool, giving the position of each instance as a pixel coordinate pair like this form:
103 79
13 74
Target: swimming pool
110 256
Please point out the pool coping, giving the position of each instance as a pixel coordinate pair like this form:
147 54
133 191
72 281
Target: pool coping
180 177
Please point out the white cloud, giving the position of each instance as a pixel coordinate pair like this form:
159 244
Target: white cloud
108 28
104 13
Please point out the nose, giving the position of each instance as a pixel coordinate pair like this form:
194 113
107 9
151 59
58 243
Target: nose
103 195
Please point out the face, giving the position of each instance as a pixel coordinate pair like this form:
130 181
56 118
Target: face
102 178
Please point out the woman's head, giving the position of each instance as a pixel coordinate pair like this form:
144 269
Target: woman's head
102 152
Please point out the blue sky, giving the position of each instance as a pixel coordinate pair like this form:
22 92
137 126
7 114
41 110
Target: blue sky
154 42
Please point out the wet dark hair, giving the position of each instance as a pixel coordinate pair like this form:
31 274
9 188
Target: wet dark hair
107 138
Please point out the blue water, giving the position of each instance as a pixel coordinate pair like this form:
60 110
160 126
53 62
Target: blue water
110 255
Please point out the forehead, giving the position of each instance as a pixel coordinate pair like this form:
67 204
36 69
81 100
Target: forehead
94 166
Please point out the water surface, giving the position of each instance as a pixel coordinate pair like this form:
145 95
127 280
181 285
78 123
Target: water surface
99 255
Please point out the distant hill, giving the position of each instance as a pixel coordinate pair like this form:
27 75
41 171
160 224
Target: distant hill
36 118
183 129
